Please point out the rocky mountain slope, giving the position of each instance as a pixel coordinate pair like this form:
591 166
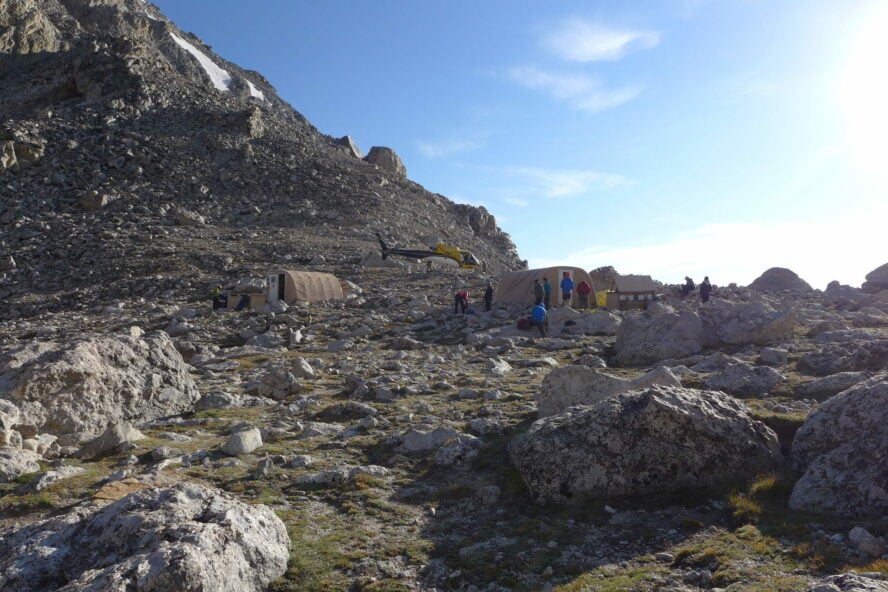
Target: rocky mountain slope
131 153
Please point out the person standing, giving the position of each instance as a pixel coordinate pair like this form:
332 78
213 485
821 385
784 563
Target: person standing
488 297
217 296
705 289
538 292
584 289
547 292
538 318
567 286
688 287
460 302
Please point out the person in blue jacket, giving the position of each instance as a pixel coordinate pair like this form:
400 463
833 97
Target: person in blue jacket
567 286
538 318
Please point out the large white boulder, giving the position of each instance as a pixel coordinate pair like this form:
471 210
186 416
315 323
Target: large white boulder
730 323
843 450
581 385
187 537
661 440
644 338
65 389
14 463
742 379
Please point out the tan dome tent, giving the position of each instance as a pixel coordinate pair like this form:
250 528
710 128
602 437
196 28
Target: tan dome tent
303 286
516 287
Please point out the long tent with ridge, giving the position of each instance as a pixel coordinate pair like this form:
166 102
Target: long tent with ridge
516 287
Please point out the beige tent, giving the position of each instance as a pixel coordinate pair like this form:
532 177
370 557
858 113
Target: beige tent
517 287
303 286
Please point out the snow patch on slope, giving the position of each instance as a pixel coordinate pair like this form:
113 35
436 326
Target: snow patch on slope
255 92
221 78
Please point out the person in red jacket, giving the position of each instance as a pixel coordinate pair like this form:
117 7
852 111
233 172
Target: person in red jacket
584 289
461 302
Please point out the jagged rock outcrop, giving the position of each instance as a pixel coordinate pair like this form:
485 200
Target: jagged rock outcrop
388 160
778 279
86 386
842 448
876 280
663 439
186 537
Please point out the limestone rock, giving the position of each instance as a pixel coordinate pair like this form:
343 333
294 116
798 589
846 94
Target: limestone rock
646 339
849 356
15 463
774 356
350 147
119 434
425 440
729 323
82 387
664 439
876 280
388 160
187 537
581 385
278 384
849 582
778 279
828 386
243 442
843 450
744 380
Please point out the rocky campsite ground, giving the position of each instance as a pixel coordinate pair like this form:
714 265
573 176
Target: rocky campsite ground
404 447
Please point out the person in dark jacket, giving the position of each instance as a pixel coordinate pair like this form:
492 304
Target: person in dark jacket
488 297
688 287
538 292
547 292
705 289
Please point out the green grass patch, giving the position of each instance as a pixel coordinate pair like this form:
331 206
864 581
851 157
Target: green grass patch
643 577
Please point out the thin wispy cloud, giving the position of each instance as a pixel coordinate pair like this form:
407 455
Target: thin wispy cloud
579 40
580 91
447 147
564 183
517 202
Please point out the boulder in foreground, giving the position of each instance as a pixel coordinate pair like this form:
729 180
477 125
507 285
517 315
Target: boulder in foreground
187 537
843 450
85 387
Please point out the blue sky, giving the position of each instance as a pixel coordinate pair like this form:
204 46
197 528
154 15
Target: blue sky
668 137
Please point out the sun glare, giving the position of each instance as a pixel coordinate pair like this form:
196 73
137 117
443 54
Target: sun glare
864 95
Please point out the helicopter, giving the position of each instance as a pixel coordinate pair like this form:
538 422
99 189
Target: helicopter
441 253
